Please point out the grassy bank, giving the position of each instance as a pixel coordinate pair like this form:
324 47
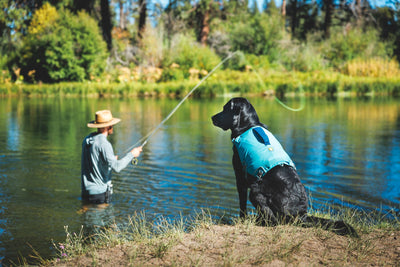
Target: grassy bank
220 83
203 241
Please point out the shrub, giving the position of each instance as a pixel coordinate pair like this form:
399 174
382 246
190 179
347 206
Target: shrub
346 44
258 35
151 47
258 62
187 53
300 57
5 75
237 61
171 74
61 46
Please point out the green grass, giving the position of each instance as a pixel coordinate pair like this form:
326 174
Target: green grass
220 83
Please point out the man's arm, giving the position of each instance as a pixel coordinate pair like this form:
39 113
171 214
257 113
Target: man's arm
118 165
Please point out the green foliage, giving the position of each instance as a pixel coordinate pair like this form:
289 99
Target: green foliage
249 36
45 16
171 74
187 53
258 62
204 12
237 62
387 18
5 75
151 47
227 82
13 18
258 35
300 57
61 46
346 44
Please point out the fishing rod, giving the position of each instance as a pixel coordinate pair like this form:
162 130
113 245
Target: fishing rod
144 139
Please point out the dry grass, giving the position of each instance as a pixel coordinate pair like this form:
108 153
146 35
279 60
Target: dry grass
244 245
375 67
204 242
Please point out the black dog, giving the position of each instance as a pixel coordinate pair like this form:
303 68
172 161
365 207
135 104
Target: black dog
261 164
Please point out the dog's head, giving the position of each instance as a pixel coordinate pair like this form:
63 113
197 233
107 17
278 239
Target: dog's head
238 115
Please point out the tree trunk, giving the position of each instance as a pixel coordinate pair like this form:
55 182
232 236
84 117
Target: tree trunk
106 22
142 17
328 17
205 28
294 17
121 15
358 11
283 10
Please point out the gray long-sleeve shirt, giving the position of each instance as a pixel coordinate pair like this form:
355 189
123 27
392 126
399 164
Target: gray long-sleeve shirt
98 161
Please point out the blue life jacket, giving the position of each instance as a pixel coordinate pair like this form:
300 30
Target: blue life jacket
260 151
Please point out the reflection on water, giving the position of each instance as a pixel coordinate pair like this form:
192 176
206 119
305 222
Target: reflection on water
346 151
97 216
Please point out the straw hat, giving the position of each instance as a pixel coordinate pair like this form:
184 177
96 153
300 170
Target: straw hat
104 118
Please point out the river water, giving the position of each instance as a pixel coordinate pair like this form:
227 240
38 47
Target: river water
347 152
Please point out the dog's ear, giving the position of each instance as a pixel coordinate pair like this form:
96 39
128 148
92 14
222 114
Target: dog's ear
236 107
231 107
245 116
236 110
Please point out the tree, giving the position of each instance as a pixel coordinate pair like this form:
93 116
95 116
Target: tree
328 16
204 12
387 19
106 25
90 7
61 46
122 24
283 8
142 17
293 10
270 6
258 35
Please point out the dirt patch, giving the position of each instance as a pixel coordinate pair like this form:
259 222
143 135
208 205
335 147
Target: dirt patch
243 245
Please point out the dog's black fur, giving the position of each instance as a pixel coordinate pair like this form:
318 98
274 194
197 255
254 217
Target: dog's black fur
280 196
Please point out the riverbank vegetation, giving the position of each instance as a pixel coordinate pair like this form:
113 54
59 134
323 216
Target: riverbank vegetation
220 84
118 48
206 241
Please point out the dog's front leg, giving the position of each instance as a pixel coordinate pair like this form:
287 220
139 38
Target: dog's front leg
241 183
242 190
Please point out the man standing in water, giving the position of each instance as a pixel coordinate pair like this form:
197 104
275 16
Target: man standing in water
98 160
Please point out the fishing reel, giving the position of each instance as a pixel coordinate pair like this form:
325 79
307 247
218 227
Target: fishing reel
135 160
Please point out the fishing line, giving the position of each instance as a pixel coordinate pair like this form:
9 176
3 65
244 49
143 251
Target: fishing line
144 139
301 90
302 101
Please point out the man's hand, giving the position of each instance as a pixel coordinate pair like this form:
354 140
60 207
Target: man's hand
136 151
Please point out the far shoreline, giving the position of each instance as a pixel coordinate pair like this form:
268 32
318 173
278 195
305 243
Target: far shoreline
223 83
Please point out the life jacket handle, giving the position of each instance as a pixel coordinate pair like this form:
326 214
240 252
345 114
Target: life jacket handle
261 136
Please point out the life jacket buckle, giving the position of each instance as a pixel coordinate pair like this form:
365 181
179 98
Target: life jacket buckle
260 173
